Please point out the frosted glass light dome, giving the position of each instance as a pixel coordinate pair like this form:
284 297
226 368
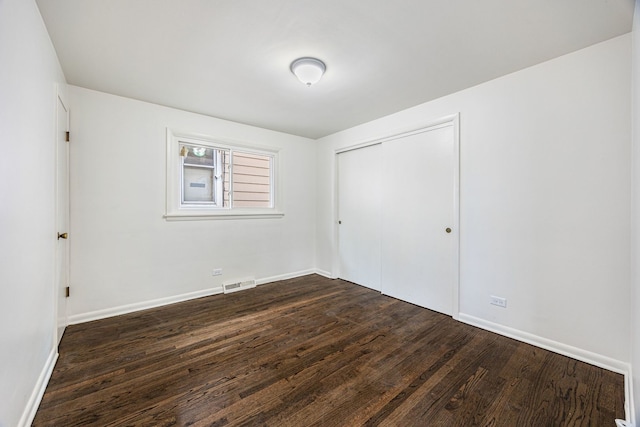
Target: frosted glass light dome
308 70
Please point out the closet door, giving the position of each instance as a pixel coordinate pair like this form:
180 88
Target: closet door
359 206
418 258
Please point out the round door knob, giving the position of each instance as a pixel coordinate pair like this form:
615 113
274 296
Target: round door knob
62 236
448 230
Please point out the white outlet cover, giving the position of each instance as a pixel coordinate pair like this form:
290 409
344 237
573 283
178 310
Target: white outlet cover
500 302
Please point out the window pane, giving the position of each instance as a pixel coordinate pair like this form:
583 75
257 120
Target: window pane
226 177
251 180
198 185
196 155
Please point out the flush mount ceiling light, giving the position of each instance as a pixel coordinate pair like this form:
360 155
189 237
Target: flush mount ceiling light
308 70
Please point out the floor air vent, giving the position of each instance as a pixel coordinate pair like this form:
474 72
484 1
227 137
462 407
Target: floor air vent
239 285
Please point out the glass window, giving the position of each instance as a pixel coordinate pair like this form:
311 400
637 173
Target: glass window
210 178
202 175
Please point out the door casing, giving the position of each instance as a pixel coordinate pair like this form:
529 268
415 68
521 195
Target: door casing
61 280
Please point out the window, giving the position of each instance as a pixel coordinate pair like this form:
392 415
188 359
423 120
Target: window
202 175
208 178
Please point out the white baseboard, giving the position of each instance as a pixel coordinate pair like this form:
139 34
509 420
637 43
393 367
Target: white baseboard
38 391
555 346
566 350
130 308
325 274
286 276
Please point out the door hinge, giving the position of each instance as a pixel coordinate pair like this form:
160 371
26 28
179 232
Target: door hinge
67 292
67 138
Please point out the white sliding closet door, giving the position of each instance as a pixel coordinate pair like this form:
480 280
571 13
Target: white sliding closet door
418 254
359 207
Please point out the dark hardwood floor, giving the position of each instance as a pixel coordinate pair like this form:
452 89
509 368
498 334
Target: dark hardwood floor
313 351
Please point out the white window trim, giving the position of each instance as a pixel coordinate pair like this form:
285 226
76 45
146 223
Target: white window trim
174 209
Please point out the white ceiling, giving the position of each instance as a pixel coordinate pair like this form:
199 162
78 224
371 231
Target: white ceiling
230 58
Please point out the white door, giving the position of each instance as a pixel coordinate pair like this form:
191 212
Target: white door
62 217
419 261
359 202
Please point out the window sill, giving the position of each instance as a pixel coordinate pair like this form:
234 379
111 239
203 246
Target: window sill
200 216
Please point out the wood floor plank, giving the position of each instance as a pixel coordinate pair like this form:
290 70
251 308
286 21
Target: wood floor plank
314 351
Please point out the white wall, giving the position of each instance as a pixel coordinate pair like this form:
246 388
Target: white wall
124 253
635 250
29 74
545 184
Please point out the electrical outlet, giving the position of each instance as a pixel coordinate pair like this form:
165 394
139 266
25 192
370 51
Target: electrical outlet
500 302
217 272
